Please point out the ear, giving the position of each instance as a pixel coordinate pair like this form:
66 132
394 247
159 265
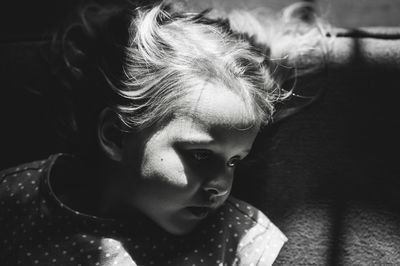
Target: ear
109 135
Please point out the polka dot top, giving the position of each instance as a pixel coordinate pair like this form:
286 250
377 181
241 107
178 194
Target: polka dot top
36 228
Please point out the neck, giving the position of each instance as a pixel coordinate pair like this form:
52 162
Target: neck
90 188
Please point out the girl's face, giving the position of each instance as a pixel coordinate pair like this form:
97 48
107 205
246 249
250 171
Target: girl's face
183 170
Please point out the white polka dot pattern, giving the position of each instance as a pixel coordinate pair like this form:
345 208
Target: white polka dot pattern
36 228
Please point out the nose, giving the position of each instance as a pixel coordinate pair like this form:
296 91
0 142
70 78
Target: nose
218 186
216 192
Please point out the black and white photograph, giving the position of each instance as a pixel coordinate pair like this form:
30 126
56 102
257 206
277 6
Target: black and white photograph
199 133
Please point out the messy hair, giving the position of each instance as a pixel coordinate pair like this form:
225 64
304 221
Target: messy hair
142 61
169 53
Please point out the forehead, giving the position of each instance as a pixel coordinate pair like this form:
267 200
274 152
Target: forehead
214 105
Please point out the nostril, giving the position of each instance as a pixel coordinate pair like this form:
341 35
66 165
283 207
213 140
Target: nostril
215 192
212 191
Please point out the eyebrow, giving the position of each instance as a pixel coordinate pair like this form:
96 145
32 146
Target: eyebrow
200 140
195 139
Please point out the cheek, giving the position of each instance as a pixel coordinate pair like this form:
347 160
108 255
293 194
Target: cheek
163 165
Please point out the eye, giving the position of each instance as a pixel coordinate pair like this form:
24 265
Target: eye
200 155
233 161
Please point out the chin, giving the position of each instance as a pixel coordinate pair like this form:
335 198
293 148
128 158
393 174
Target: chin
180 229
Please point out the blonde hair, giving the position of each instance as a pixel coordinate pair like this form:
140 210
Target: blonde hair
295 37
168 53
151 57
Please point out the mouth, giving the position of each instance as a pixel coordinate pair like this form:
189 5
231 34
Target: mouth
199 212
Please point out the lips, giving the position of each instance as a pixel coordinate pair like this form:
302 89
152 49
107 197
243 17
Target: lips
199 212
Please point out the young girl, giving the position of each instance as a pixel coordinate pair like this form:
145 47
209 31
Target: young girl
174 102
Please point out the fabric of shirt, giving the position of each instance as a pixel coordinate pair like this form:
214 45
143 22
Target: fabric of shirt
37 228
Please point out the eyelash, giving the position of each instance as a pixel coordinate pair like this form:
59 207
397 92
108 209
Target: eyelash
200 155
204 155
233 161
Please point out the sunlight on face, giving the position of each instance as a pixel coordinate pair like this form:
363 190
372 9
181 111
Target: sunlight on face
191 157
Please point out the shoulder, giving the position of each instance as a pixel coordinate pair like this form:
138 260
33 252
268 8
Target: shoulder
22 182
259 240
